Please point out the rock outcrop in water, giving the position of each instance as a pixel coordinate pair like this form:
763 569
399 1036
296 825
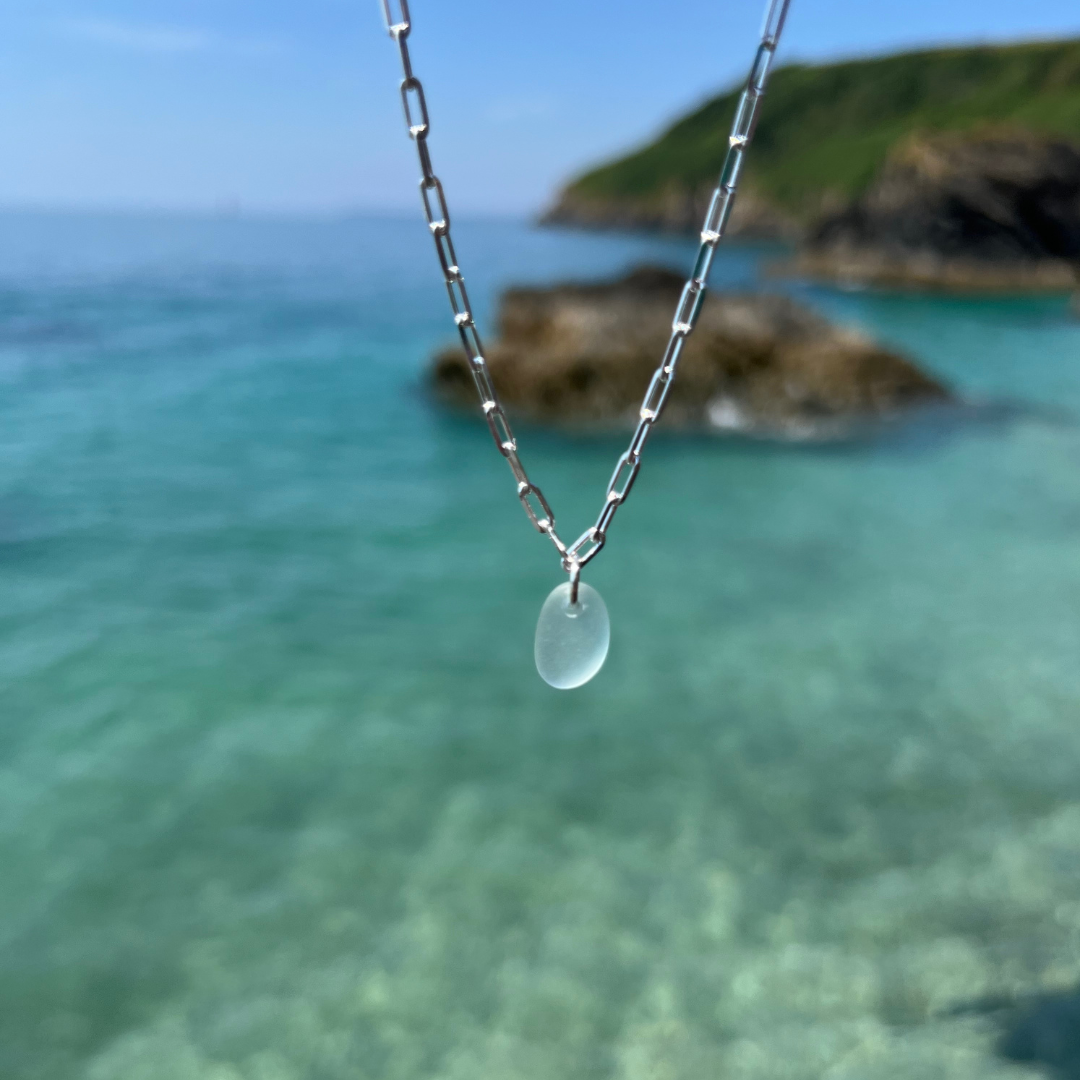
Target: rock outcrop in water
583 354
985 211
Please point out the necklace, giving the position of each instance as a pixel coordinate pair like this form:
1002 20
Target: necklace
573 631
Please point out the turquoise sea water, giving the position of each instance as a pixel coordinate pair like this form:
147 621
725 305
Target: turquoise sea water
282 797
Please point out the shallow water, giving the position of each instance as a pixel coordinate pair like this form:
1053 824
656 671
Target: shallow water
282 797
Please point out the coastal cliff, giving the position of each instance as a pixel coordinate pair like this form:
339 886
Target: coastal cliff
583 354
985 211
824 136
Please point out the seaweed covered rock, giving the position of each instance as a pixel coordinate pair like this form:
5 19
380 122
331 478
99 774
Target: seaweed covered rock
583 354
985 211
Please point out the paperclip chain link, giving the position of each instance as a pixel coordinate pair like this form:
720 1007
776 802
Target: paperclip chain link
589 544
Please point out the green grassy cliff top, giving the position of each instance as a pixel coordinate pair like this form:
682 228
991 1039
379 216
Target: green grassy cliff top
825 130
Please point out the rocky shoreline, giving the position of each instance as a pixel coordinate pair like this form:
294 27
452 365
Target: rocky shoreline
864 267
677 209
760 364
988 211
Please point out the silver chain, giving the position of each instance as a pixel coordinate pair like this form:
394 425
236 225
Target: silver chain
590 542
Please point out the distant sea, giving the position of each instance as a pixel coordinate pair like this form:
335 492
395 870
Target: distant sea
283 798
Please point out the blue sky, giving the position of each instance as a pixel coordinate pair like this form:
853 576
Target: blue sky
287 106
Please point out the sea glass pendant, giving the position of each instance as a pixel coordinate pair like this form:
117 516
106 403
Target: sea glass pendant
571 639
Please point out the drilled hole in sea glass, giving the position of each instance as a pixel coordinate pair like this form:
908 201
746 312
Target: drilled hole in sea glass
571 639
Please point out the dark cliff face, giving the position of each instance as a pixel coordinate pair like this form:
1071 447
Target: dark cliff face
583 354
997 204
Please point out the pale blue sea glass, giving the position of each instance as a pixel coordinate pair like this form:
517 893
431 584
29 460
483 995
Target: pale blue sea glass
571 639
